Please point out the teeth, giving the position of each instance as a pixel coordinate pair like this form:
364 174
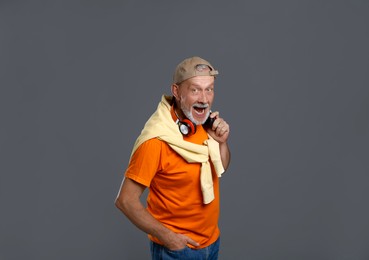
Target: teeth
199 111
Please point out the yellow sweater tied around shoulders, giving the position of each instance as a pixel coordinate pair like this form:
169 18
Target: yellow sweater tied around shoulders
161 125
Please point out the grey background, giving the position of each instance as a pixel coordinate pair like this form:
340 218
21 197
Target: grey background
80 78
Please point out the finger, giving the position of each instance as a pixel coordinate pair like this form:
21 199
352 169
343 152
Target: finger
192 242
218 124
214 114
221 130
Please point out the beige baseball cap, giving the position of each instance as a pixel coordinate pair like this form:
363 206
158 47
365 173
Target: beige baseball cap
192 67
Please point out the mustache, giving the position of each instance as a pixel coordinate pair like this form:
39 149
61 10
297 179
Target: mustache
200 105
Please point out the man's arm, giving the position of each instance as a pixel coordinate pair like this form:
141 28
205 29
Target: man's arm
225 154
128 201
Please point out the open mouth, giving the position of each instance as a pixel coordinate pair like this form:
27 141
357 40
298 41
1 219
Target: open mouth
200 109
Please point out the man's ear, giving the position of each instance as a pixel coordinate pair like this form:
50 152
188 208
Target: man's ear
175 91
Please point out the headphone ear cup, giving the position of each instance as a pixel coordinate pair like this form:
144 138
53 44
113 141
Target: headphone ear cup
186 127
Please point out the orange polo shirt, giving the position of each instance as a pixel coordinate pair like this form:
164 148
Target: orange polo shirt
175 197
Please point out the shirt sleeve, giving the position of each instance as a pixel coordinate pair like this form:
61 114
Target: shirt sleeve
145 162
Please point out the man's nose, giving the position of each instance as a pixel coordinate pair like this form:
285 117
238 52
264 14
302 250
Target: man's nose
203 98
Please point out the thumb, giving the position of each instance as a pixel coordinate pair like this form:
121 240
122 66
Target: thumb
192 242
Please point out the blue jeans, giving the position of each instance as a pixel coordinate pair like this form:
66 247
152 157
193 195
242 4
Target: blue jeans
159 252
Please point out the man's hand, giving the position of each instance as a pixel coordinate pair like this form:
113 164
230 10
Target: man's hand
220 132
220 129
176 241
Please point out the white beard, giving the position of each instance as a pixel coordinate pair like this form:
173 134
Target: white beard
188 114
